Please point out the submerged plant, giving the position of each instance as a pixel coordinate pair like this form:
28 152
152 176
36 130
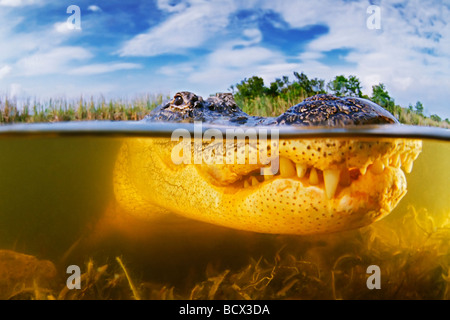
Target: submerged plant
412 252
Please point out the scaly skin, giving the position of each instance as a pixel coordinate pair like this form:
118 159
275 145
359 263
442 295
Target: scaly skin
323 185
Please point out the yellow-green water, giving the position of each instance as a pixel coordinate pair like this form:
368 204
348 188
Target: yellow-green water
57 203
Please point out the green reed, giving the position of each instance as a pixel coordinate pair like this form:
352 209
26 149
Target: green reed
83 109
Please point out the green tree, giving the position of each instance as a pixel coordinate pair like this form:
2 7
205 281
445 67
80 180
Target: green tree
250 88
419 108
309 87
318 86
341 86
435 117
382 97
280 94
303 82
354 87
338 86
277 87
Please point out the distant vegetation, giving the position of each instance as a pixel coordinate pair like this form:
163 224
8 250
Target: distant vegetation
256 98
83 109
252 95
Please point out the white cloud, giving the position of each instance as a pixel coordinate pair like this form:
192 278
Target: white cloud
189 28
65 28
61 27
16 45
4 71
240 58
311 55
17 3
182 69
103 68
54 61
94 8
252 36
226 66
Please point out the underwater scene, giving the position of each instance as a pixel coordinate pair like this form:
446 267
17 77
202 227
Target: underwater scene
126 215
224 155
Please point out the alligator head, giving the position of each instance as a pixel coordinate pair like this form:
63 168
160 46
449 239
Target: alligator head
319 185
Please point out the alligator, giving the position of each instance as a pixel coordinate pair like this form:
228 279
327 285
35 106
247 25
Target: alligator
321 185
318 110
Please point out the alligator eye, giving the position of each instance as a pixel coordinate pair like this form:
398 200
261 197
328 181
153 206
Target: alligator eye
178 100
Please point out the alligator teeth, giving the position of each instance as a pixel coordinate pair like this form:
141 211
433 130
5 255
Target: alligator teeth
267 173
301 170
377 167
252 181
287 168
331 180
403 157
395 161
313 177
408 165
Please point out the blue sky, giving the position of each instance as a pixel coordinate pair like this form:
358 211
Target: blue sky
129 48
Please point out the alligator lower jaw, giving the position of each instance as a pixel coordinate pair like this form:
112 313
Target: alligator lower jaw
295 206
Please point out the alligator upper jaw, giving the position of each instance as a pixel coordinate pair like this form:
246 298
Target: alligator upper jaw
302 200
331 180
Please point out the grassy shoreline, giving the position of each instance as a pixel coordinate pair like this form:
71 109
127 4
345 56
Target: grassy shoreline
87 109
55 110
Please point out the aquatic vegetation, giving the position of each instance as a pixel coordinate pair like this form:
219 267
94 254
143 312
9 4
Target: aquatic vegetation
23 276
413 256
412 251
